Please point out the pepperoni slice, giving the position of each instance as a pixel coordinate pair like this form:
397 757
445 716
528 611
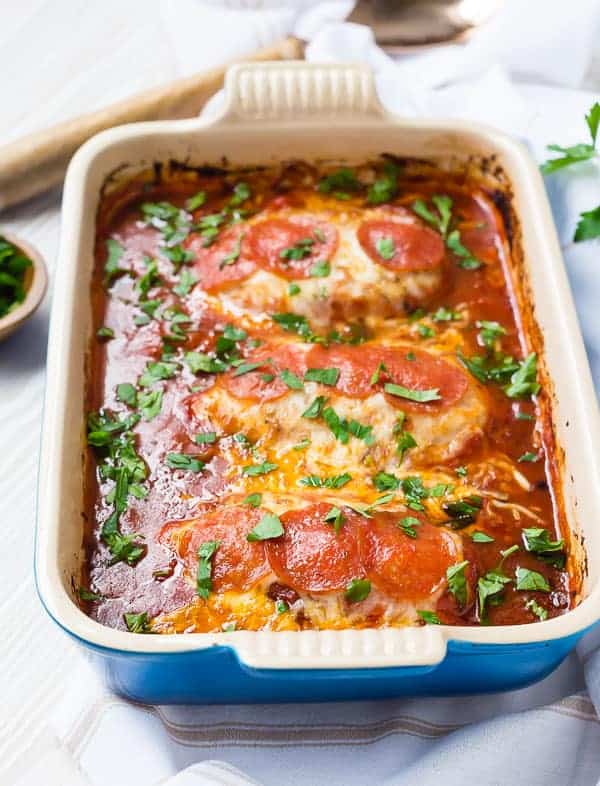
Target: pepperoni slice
256 384
411 368
236 564
406 568
292 247
310 557
400 241
224 262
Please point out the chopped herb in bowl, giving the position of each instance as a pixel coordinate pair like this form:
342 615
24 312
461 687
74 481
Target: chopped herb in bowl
13 276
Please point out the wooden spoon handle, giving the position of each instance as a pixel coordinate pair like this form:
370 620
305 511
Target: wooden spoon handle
35 163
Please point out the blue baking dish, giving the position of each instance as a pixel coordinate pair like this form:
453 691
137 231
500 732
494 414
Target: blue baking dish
273 112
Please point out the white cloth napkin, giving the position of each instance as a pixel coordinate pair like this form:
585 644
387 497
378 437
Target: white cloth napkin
545 735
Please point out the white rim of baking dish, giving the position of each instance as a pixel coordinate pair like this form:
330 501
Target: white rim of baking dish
290 95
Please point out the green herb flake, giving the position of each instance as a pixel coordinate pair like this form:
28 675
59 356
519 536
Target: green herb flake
429 617
196 201
88 595
463 512
206 552
150 403
457 582
385 248
358 590
281 606
320 269
444 314
184 461
246 368
137 623
420 396
490 332
339 183
105 333
324 376
291 380
530 580
206 438
408 524
528 457
114 252
254 470
335 517
481 537
332 482
461 472
588 226
537 541
524 380
232 257
384 188
440 219
253 500
466 259
156 371
294 289
186 283
315 409
534 607
384 481
127 393
302 445
241 192
268 527
300 250
489 588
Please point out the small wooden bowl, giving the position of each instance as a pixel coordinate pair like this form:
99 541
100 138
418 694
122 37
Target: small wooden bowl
35 283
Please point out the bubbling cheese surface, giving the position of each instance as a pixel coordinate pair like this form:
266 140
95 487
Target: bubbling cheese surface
305 408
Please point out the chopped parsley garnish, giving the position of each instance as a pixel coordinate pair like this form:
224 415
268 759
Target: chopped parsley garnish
315 409
384 188
333 482
325 376
86 594
457 582
137 623
335 517
150 403
339 183
343 429
157 370
429 617
414 492
358 590
291 380
233 256
524 416
245 368
385 248
481 537
384 481
105 333
524 381
206 438
241 192
412 395
198 361
13 264
294 289
408 524
300 250
466 259
381 369
534 607
529 457
463 512
127 393
254 500
150 279
438 219
425 331
196 201
405 441
302 445
537 541
112 270
186 282
490 332
320 269
268 527
489 588
461 472
253 470
531 580
444 314
177 255
206 552
185 462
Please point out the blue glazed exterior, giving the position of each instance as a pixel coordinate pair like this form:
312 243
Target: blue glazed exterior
216 676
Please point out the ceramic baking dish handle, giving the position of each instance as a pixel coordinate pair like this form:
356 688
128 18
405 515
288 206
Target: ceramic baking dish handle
297 90
345 649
